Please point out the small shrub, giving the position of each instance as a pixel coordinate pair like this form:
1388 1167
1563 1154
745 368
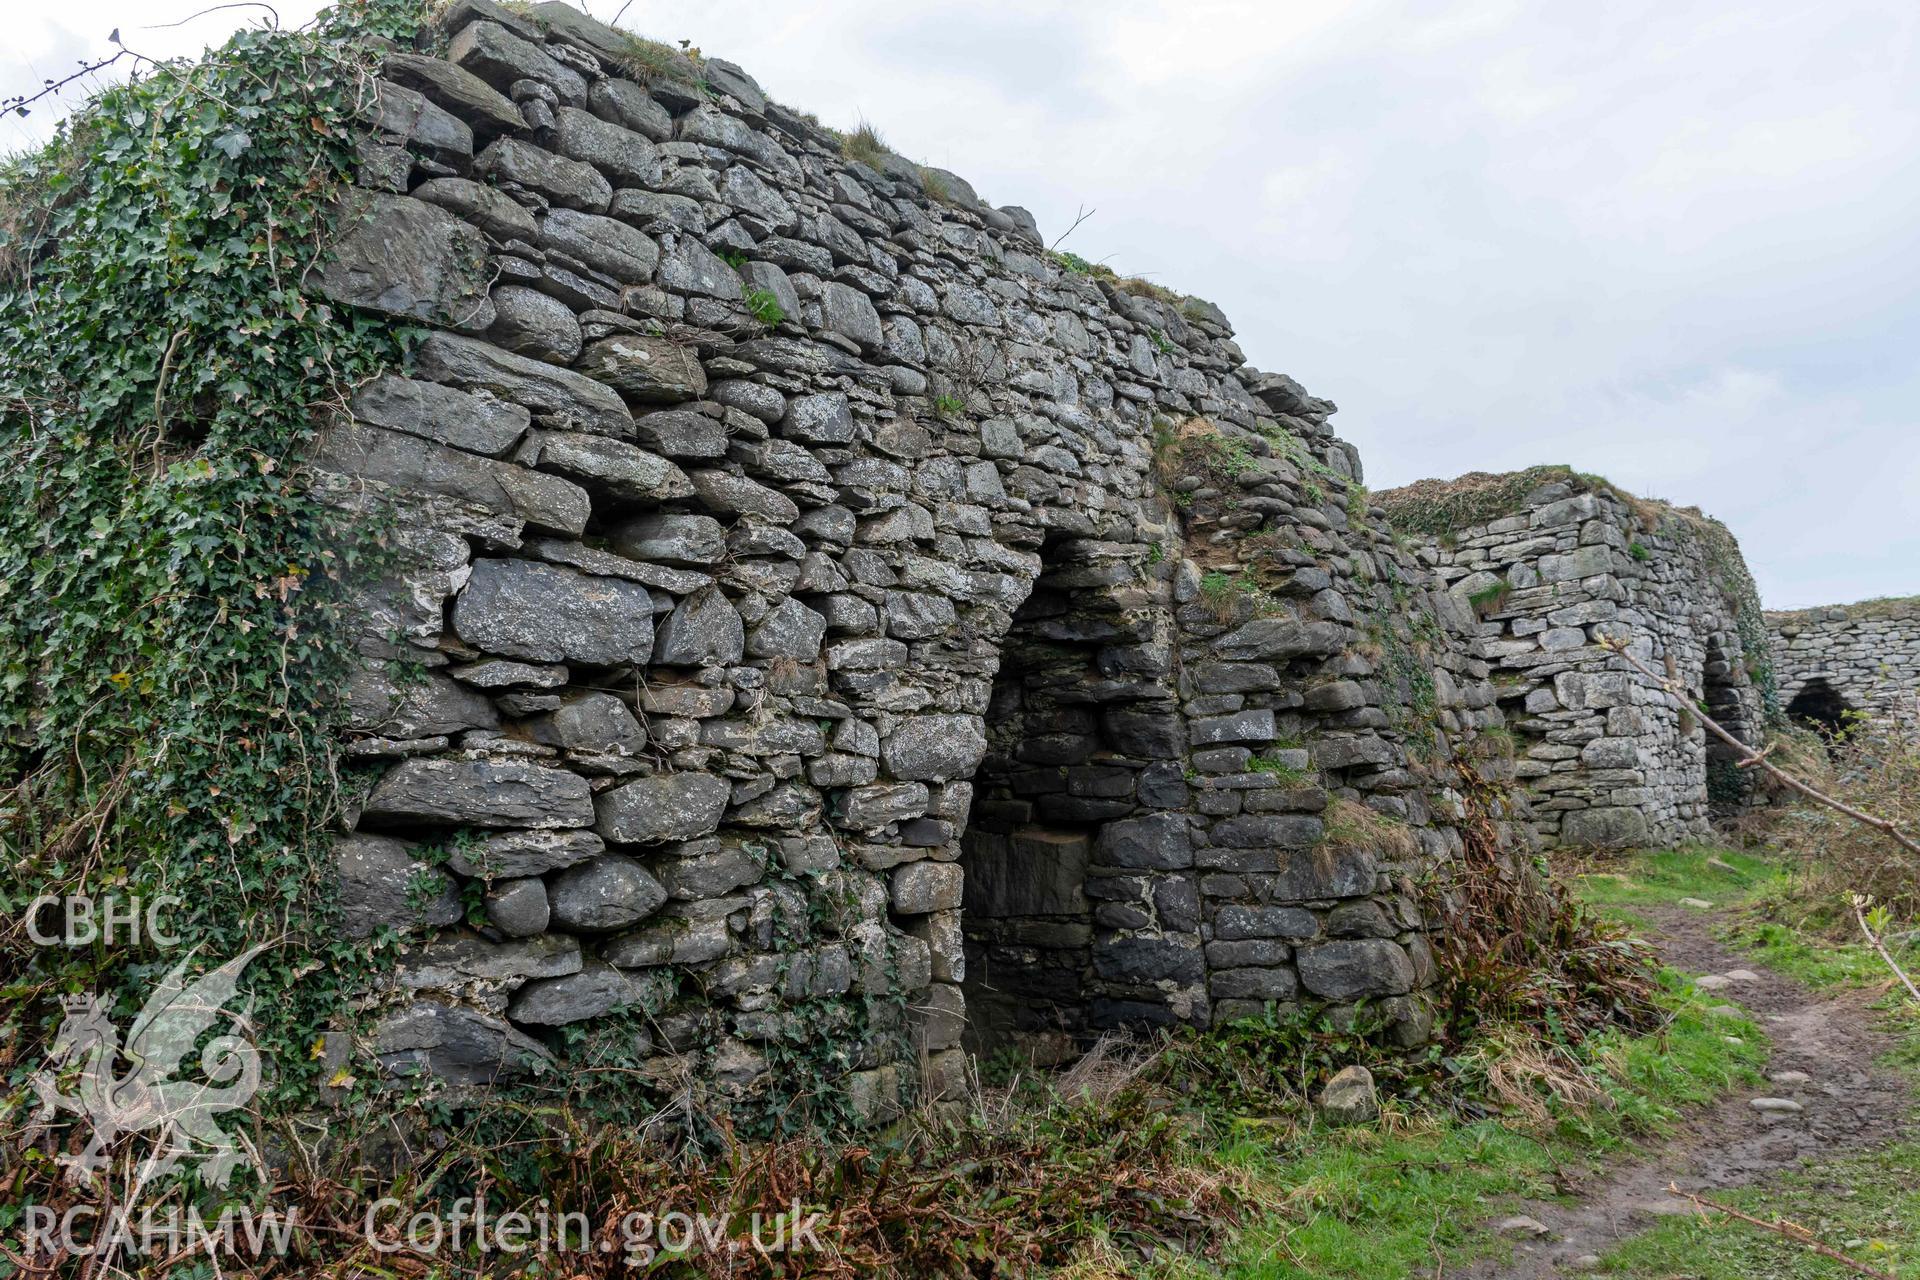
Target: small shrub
949 406
1352 825
1137 287
1490 600
1638 550
1874 765
865 146
651 62
1277 769
764 307
935 186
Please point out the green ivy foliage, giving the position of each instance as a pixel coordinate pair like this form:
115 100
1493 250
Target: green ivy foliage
170 597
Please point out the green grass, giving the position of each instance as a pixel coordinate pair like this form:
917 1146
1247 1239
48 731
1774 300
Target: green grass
1376 1203
1663 877
1867 1205
1875 1217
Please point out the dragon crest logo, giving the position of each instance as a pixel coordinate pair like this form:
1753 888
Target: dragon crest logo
146 1097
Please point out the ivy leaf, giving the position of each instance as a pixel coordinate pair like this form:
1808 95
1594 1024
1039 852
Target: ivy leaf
233 142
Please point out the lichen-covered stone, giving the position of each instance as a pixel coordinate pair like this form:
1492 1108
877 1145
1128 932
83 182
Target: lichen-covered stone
668 806
611 892
479 793
522 609
406 258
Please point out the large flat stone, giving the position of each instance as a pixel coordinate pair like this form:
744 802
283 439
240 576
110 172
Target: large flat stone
545 613
406 464
477 424
646 369
384 883
559 398
667 806
404 257
478 793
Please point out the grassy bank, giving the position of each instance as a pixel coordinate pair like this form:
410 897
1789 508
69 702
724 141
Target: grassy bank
1866 1205
1417 1191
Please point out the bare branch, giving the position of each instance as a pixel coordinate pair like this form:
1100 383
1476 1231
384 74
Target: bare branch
237 4
1860 904
1786 1230
18 103
1085 213
1757 759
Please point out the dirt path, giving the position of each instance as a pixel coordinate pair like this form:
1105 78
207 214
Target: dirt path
1846 1102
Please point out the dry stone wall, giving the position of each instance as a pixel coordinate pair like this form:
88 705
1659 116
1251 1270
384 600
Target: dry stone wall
1554 564
827 627
1862 658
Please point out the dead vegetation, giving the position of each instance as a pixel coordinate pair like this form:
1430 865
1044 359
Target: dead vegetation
1875 765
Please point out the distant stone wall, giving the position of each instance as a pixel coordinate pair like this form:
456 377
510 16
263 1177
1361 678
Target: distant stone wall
1554 563
1852 657
797 654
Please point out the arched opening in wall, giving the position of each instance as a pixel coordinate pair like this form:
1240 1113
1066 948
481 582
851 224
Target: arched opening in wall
1729 786
1076 865
1820 707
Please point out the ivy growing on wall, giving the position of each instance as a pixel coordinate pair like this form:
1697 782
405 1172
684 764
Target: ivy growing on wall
170 598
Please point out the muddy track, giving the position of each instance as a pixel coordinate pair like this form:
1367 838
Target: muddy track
1847 1103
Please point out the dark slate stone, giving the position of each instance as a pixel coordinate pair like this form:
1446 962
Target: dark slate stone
477 424
410 117
790 630
405 257
456 1044
597 989
605 466
531 323
667 806
611 892
568 183
1231 922
416 707
1268 831
1144 960
1266 638
509 854
412 465
383 883
934 748
559 398
500 58
711 868
604 244
631 107
518 908
1158 841
479 793
819 419
626 157
1356 969
703 630
461 92
689 540
544 613
646 369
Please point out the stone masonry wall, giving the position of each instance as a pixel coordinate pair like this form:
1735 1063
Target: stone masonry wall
1607 756
1866 655
761 686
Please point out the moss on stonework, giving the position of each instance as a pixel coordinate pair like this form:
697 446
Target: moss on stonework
1877 607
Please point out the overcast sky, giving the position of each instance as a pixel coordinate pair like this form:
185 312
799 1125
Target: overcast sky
1675 243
